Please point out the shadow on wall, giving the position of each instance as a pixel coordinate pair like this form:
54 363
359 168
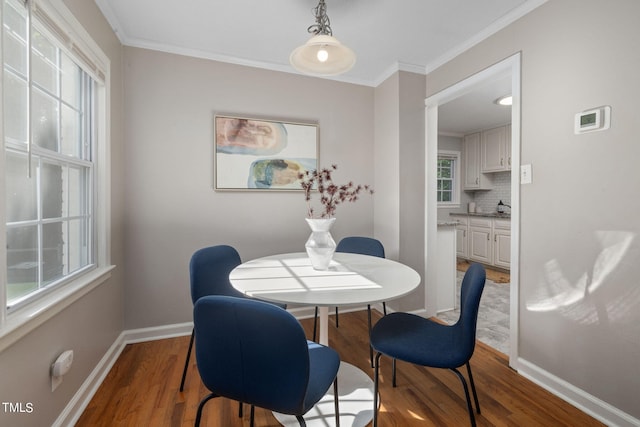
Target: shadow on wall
577 301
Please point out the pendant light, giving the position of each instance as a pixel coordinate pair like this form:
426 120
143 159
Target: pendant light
322 54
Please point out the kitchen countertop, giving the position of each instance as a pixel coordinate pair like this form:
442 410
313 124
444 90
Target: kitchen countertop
484 214
448 223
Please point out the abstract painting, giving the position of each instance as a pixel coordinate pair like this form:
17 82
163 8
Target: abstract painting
262 154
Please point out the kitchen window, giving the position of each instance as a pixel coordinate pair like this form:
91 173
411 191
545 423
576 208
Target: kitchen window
448 173
55 144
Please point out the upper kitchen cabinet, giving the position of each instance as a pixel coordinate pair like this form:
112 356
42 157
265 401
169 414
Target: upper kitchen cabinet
474 179
495 149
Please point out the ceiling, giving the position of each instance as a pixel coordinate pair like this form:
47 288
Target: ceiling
387 35
476 110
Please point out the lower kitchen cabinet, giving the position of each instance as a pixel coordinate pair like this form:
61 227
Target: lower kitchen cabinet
485 240
502 243
462 245
480 244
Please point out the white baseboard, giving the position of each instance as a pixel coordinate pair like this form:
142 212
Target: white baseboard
587 403
74 409
157 332
71 413
582 400
76 406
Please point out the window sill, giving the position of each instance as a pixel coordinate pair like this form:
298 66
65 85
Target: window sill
28 318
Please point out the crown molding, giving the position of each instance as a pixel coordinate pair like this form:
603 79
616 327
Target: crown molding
496 26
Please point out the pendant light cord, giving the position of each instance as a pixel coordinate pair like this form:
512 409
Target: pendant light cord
322 25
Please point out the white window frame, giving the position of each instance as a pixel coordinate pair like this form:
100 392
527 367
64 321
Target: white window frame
455 155
61 23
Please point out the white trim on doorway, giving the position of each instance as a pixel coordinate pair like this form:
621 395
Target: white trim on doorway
509 66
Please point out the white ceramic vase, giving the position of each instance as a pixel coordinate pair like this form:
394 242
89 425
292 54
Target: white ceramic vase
320 245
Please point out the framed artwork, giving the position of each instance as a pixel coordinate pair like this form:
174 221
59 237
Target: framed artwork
261 154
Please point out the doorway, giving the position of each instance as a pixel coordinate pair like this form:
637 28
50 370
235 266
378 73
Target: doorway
510 68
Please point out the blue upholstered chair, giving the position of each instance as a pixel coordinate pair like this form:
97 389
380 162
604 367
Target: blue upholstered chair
209 270
257 353
364 246
421 341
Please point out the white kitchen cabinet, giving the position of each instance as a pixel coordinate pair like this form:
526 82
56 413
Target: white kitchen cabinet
480 240
484 239
474 179
462 245
508 147
495 149
502 243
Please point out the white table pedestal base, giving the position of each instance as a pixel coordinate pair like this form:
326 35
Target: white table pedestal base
355 388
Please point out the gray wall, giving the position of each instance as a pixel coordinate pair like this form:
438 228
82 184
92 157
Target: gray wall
578 226
386 165
172 209
399 175
412 182
579 289
92 324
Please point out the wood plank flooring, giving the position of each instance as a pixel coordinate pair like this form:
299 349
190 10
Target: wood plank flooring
142 390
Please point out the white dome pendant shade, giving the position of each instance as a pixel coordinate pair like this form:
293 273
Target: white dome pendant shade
322 55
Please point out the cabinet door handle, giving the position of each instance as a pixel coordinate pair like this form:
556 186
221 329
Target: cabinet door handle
509 161
501 162
495 238
488 238
477 180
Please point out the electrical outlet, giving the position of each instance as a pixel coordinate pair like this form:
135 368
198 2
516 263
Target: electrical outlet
55 382
60 367
525 174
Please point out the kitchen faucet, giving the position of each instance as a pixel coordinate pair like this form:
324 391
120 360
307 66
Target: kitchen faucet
501 206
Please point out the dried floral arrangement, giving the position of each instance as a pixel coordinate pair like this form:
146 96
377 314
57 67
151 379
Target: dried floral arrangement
331 194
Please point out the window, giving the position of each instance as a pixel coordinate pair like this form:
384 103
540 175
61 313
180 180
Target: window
448 191
52 101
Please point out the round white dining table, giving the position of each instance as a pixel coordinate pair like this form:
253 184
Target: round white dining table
350 280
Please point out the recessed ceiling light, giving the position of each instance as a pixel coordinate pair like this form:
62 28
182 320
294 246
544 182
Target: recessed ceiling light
504 100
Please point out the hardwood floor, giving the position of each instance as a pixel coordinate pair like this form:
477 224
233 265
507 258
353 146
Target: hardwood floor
142 390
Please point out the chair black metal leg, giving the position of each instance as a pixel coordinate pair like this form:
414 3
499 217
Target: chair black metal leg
252 416
201 406
384 308
186 362
335 401
466 393
376 380
369 325
239 409
315 324
300 421
473 387
337 325
393 374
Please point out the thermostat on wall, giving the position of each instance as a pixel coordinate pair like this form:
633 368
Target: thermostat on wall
593 120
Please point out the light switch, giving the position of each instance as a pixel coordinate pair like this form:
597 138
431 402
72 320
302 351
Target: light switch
525 174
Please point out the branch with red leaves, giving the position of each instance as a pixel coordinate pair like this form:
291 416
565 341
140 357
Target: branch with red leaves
331 195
